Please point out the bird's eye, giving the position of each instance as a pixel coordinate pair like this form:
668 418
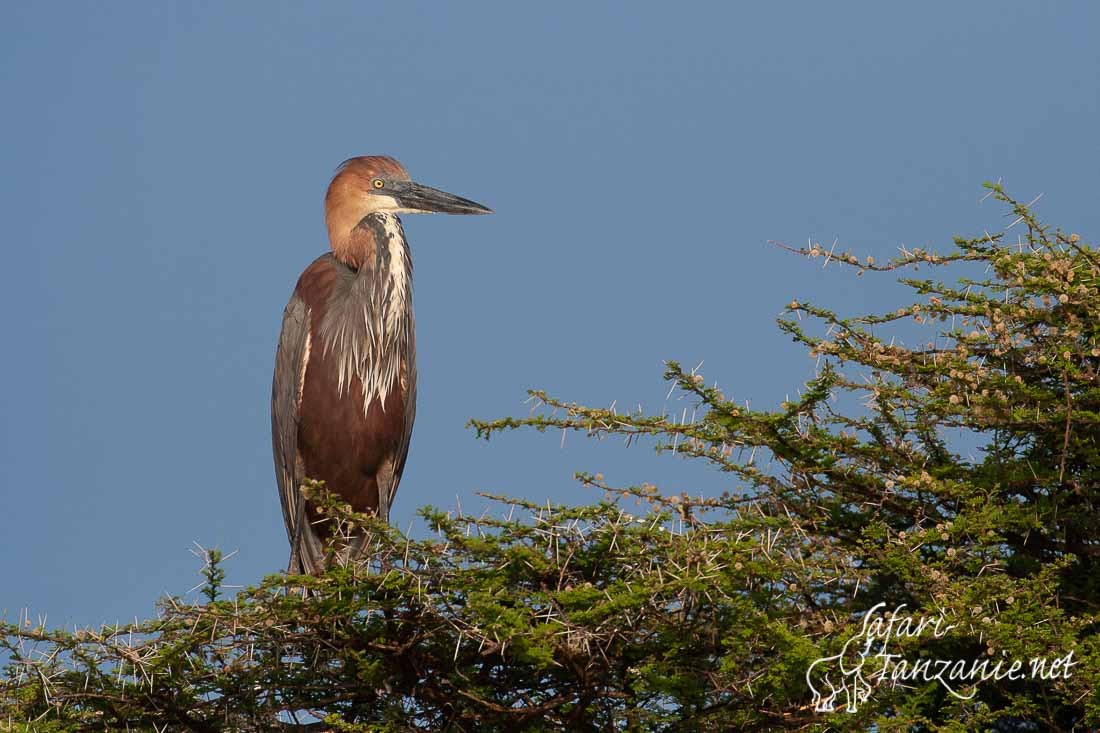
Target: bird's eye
379 183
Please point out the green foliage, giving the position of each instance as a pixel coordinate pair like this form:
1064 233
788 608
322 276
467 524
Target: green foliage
213 573
958 476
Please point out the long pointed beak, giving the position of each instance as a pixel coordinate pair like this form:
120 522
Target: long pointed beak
415 197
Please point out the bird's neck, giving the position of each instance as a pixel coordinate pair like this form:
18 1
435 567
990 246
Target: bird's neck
377 250
369 322
358 246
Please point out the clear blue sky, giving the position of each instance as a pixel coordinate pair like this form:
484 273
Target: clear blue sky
163 169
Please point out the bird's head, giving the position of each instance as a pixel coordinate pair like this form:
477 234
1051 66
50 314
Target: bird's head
373 184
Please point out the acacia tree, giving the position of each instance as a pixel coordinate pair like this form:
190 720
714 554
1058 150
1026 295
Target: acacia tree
955 478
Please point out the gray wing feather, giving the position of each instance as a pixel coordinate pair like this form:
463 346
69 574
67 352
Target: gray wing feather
290 361
410 418
387 493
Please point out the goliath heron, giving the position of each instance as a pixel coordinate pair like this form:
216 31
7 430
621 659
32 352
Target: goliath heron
343 396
